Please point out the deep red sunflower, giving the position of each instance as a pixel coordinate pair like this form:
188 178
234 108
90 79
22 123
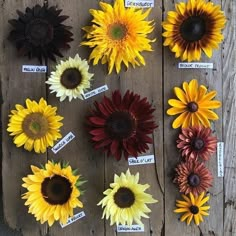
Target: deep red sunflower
197 142
121 125
39 32
193 177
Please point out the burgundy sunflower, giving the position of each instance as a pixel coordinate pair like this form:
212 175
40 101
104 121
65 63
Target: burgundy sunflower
121 125
39 32
197 142
193 177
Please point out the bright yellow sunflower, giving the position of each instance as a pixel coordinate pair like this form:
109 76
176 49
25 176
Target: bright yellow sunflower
118 35
194 105
126 200
193 207
70 79
36 127
53 192
194 27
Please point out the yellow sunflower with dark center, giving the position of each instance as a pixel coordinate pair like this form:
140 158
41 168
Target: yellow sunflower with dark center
194 104
194 27
118 35
193 208
35 127
126 200
53 192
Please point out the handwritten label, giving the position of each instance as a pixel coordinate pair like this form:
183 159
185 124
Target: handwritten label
142 160
34 69
70 136
132 228
73 219
220 159
195 65
95 91
139 3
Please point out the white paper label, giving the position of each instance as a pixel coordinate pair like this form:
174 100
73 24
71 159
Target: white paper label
70 136
34 69
132 228
195 65
142 160
95 91
74 218
220 159
139 3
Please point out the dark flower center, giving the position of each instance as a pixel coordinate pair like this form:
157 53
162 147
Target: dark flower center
198 144
35 125
39 32
193 180
71 78
120 125
56 190
194 209
124 197
193 28
117 31
192 106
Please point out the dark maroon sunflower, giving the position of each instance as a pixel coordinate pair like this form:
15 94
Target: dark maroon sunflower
193 177
39 32
197 142
121 125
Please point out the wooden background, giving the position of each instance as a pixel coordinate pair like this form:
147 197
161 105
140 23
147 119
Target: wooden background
156 81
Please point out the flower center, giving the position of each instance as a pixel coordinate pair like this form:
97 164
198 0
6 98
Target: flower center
71 78
192 106
35 125
193 180
39 32
193 28
120 125
198 144
117 31
56 190
194 209
124 197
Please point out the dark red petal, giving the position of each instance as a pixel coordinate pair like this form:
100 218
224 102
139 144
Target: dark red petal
97 120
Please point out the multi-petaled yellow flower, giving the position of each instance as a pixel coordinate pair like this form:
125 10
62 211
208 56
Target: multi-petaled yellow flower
52 192
118 35
194 104
35 127
194 27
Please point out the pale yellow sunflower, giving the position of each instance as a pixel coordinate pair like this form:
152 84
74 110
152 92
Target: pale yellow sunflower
118 35
194 27
194 104
35 127
193 208
53 192
70 79
126 200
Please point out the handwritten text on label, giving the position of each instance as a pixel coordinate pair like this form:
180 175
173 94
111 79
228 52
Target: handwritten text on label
220 159
195 65
34 69
74 218
132 228
142 160
139 3
96 91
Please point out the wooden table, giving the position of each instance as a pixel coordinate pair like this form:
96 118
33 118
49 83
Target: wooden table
155 81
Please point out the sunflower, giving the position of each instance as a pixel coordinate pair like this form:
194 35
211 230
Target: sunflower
197 142
194 27
118 35
193 176
53 192
36 127
121 125
39 32
193 207
194 104
126 200
70 79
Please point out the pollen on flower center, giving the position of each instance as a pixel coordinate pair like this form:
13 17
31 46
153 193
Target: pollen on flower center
193 180
35 125
194 209
71 78
117 31
192 106
124 197
193 28
198 144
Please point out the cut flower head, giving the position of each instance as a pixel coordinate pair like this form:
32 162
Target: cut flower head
118 35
